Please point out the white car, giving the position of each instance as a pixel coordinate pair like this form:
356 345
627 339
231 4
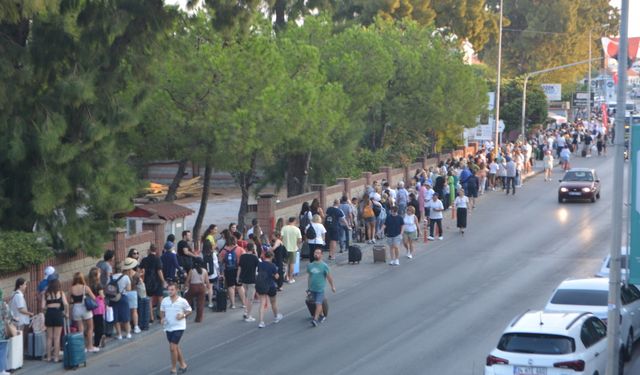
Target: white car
606 263
592 295
550 343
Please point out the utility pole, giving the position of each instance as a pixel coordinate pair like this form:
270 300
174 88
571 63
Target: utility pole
613 322
589 82
497 99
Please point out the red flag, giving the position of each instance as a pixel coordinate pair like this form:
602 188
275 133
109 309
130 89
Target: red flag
610 46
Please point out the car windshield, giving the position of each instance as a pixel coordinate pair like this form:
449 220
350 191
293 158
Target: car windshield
578 176
623 262
580 297
536 343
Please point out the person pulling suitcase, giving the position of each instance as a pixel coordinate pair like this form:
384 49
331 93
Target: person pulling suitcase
319 274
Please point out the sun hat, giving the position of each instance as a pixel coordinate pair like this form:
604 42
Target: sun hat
129 263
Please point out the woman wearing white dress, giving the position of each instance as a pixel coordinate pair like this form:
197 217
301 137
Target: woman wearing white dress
460 205
411 230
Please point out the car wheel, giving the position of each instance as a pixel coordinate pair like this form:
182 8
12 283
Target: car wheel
598 195
560 200
620 365
628 347
593 199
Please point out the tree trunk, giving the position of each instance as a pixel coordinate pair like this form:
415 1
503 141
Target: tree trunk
173 188
280 8
203 202
298 173
245 180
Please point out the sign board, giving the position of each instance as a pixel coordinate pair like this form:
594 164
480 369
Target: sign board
634 244
553 91
580 99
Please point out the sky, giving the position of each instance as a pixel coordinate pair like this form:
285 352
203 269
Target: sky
634 15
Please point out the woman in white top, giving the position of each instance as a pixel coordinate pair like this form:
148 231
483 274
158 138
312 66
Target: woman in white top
411 230
460 205
319 241
548 165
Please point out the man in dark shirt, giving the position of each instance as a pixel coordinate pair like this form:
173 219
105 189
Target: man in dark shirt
153 278
393 227
247 277
334 222
185 251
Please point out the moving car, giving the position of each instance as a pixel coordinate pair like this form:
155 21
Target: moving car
550 343
592 295
579 183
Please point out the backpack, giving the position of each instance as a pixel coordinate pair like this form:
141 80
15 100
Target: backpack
377 209
263 282
304 221
367 212
311 233
112 290
231 259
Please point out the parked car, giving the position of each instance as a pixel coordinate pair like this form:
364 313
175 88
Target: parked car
606 263
592 295
579 184
550 343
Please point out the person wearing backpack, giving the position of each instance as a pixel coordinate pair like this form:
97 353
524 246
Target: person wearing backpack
305 217
247 277
115 292
315 233
334 221
266 288
230 259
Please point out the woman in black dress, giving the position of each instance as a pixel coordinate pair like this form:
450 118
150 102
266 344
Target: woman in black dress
54 302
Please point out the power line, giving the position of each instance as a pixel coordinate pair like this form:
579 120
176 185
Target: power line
533 31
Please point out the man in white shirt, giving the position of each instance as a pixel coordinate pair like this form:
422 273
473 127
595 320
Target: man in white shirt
427 194
18 305
435 216
174 311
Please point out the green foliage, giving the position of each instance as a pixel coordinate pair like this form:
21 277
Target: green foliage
511 104
20 250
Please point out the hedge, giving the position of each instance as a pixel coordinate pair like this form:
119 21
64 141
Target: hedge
19 250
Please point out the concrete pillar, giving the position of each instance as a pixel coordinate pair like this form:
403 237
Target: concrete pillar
407 175
367 178
120 244
267 213
346 186
157 227
322 194
387 171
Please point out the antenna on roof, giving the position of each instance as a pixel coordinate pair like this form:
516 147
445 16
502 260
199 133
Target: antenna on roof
540 318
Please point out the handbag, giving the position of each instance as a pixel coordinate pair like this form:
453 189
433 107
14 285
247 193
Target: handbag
90 303
10 330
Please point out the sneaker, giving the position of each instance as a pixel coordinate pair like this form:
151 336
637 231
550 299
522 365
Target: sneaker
128 335
137 329
261 325
441 238
430 238
210 305
322 318
291 281
119 338
397 262
278 318
94 350
249 319
409 256
392 262
103 341
314 322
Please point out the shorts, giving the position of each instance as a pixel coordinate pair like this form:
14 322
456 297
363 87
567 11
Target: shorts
53 317
132 297
317 297
174 336
394 241
333 234
250 291
410 235
271 292
371 219
231 277
291 257
80 312
121 312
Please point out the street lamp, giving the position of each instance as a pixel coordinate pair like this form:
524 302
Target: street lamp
497 98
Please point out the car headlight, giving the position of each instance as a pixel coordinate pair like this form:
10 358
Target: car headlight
564 189
586 189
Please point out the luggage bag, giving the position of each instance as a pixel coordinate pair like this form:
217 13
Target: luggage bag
74 354
311 305
379 253
355 254
144 313
15 351
36 343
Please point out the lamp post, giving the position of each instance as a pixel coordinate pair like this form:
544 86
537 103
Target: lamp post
529 75
589 82
497 98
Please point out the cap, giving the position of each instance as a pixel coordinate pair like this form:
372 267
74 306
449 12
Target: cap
49 271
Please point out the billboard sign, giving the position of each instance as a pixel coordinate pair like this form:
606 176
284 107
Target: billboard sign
553 91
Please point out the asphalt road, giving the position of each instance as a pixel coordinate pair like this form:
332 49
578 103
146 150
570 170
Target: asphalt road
440 313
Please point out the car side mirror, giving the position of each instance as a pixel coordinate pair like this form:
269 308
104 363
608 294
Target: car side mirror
560 180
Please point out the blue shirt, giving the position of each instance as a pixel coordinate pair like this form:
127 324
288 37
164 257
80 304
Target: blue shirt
318 272
393 225
169 265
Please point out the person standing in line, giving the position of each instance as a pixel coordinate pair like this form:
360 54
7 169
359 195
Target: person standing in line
174 311
197 285
153 279
334 223
493 170
392 228
402 198
318 242
79 313
229 258
247 277
42 286
93 281
319 274
106 267
349 216
54 303
292 239
510 168
435 217
548 165
266 288
369 219
5 319
185 251
18 305
460 206
121 312
411 230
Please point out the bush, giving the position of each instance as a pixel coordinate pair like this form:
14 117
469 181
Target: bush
19 250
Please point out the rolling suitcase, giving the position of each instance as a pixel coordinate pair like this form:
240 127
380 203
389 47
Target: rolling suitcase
355 254
312 306
221 297
584 152
296 265
15 351
36 342
144 313
74 354
379 253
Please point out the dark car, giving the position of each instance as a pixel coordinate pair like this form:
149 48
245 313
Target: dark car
579 183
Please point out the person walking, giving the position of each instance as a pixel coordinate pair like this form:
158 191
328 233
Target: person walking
292 239
174 311
460 206
392 228
247 277
266 288
197 286
435 217
319 241
54 303
411 230
229 258
319 274
82 317
511 170
548 165
565 155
